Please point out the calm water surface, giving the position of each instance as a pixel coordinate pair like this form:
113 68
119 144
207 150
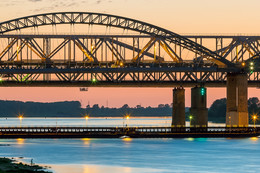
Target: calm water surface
135 155
93 122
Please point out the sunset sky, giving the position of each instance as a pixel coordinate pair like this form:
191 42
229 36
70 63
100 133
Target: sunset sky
182 16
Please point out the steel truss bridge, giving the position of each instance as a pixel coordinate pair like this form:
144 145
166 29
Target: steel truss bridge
149 56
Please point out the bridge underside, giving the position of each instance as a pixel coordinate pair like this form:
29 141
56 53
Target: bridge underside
122 84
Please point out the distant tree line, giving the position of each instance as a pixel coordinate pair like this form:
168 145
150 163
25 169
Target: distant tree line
36 109
162 110
74 109
217 111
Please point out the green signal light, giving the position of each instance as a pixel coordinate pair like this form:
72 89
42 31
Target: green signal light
94 80
202 91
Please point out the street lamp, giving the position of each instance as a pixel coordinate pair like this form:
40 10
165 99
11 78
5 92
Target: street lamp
127 117
20 116
254 118
87 117
190 119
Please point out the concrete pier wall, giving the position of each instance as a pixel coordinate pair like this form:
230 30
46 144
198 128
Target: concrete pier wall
178 109
237 95
198 110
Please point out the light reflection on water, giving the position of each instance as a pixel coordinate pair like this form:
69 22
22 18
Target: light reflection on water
101 169
133 155
138 155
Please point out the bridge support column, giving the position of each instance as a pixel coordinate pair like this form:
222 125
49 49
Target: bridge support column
237 107
178 108
198 110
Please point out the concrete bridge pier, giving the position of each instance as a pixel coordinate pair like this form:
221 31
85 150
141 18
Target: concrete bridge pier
198 110
178 108
237 107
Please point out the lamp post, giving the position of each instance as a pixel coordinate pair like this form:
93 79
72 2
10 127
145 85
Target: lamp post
87 117
254 118
190 119
21 119
127 117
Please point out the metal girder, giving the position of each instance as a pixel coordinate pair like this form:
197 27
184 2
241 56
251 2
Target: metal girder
145 48
129 47
125 78
86 52
67 67
238 50
170 52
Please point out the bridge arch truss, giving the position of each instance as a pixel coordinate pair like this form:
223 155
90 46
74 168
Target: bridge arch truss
109 60
112 21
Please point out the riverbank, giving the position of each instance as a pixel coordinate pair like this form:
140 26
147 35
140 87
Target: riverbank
11 166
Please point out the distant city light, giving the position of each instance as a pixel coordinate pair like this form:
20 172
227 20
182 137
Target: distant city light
243 64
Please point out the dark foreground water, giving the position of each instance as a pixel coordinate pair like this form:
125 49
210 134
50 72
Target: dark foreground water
138 155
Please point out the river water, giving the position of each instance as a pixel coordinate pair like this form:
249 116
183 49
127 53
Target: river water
131 155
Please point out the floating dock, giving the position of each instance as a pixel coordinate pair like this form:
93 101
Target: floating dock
132 132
